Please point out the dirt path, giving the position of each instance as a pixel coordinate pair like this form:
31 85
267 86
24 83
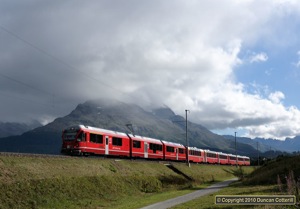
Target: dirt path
185 198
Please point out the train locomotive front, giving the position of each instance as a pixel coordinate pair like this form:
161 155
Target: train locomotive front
73 141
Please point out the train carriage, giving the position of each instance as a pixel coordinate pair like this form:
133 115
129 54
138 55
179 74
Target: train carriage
212 157
246 161
144 147
174 151
232 159
240 160
196 155
89 140
243 160
223 158
138 147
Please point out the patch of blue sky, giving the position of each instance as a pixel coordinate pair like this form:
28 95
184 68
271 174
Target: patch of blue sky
274 69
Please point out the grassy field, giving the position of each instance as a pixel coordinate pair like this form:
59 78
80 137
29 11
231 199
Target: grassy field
235 189
277 177
54 182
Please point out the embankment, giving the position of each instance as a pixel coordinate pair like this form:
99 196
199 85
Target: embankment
58 182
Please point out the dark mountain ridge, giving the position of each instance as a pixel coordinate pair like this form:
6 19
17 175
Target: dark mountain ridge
12 129
267 145
161 123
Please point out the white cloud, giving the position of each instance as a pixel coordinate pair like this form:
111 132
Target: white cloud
285 125
298 62
276 97
180 53
261 57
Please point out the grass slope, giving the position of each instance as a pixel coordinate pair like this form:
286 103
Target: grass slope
269 173
56 182
277 177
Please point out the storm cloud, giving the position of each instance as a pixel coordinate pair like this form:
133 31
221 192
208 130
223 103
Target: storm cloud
183 54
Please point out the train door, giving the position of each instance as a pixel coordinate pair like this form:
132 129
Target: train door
106 145
176 150
82 139
146 150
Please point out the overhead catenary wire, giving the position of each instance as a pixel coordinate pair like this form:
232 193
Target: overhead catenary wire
24 84
58 60
48 105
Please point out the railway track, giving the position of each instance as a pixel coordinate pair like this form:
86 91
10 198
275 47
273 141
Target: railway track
90 157
19 154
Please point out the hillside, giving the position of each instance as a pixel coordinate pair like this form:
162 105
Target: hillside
279 167
287 145
72 182
267 145
13 129
160 123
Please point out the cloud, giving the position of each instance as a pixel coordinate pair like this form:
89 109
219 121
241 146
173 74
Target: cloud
276 97
298 62
180 53
261 57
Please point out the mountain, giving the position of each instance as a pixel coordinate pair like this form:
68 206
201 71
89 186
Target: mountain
161 123
270 145
249 141
13 129
287 145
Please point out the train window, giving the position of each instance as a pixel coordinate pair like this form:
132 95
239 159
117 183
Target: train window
232 158
181 151
213 155
195 152
170 149
117 141
223 156
96 138
81 137
68 136
155 147
136 144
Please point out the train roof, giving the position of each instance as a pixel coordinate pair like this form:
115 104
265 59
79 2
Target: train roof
172 144
221 153
239 156
93 129
100 130
195 149
147 139
210 151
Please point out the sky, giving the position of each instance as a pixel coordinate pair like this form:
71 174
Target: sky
234 64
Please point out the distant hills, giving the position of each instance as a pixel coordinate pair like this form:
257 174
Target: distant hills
10 129
161 123
271 145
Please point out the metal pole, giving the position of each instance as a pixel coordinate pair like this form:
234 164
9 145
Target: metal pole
257 155
130 127
186 139
236 164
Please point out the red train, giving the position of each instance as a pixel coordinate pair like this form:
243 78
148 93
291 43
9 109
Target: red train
86 140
